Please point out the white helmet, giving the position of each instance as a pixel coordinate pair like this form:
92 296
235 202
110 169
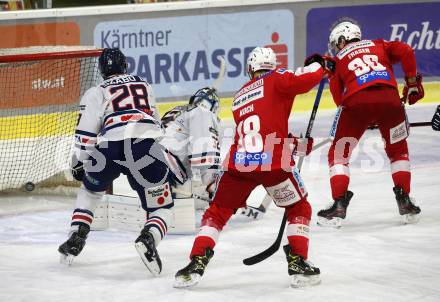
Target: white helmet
346 30
261 59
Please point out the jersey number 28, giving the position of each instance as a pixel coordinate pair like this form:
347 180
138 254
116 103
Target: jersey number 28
126 97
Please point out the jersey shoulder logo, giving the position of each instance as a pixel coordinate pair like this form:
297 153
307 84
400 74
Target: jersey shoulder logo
248 94
353 46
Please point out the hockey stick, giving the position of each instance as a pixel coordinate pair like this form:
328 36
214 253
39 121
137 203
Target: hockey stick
189 195
221 74
276 245
420 124
416 124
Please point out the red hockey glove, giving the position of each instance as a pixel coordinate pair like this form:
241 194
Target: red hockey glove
326 62
412 92
302 146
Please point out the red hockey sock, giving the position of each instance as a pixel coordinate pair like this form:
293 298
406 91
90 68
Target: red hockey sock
403 180
200 245
298 217
400 171
339 185
299 245
213 222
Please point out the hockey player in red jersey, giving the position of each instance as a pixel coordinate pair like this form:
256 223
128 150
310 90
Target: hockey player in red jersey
261 154
365 89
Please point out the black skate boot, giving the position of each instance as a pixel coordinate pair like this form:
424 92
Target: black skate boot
191 274
409 211
303 273
74 245
146 248
333 216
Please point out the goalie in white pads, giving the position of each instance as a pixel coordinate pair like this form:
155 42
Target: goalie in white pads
192 138
116 133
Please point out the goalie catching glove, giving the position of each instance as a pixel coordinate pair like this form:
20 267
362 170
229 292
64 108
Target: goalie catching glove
326 62
301 146
413 90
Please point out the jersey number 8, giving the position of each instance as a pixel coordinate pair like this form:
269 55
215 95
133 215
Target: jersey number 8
250 140
365 65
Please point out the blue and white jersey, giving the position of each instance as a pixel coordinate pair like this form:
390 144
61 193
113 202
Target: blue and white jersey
192 135
121 107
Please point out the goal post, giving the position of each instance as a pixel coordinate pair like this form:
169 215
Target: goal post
40 89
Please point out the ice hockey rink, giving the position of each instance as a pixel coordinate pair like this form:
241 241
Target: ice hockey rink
373 257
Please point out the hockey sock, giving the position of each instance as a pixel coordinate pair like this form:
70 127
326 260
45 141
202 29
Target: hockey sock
85 204
298 217
80 216
339 180
400 171
157 223
213 222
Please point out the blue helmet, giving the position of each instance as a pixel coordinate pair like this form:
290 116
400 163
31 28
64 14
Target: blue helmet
112 61
206 98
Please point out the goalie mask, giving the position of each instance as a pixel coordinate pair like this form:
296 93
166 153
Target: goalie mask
112 61
206 98
343 31
261 59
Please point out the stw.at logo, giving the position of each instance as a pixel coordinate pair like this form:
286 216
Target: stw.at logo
280 50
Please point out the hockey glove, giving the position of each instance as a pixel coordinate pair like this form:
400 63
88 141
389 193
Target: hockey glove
302 146
326 62
77 169
436 120
412 92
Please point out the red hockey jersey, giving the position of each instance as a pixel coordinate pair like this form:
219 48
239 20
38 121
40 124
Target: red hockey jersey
369 62
261 110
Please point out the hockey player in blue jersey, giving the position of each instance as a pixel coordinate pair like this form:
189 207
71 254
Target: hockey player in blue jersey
117 132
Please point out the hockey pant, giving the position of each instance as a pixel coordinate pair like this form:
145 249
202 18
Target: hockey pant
143 162
233 189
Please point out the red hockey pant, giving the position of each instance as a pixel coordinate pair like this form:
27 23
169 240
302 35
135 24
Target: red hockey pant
233 189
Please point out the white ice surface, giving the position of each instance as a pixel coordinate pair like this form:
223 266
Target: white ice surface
373 257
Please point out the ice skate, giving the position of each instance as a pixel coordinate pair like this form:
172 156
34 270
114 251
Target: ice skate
193 272
74 245
146 248
333 216
302 272
409 211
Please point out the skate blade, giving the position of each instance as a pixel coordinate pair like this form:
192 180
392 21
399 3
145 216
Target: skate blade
66 259
299 281
334 223
187 281
410 218
152 266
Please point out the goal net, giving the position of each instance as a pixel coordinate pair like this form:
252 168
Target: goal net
40 88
